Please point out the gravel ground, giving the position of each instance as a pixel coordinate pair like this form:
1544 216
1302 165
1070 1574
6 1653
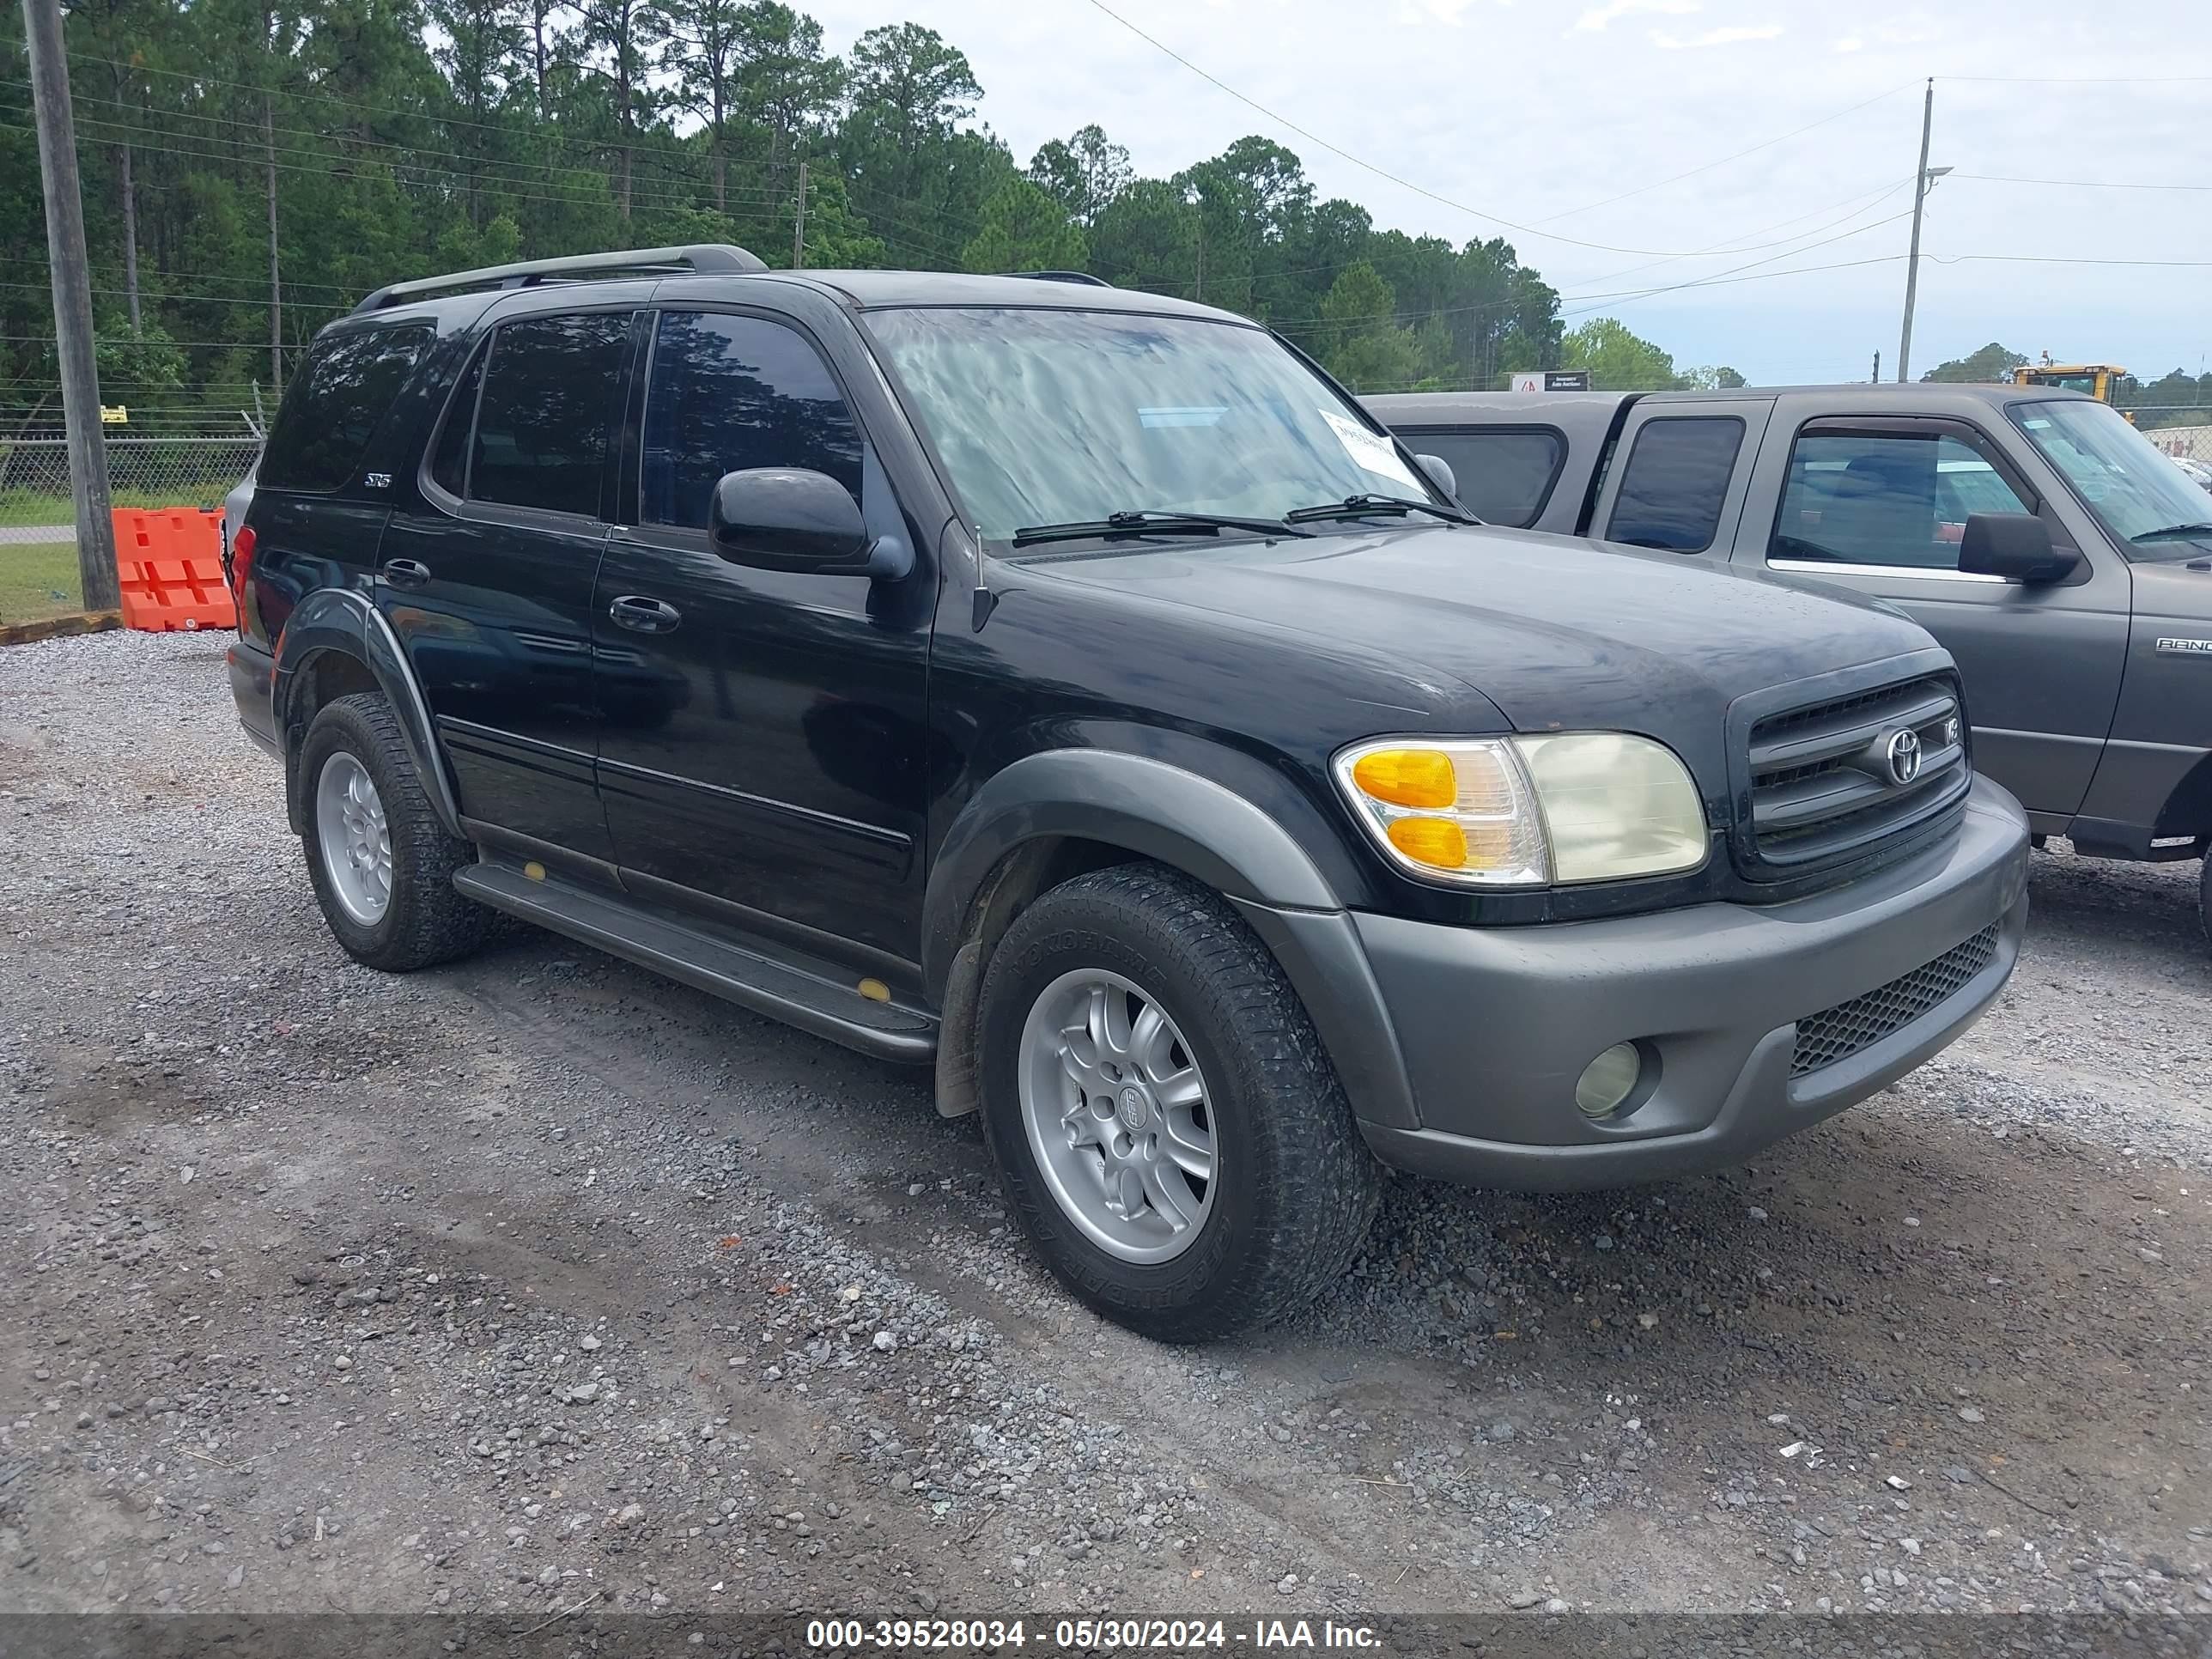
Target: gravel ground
539 1279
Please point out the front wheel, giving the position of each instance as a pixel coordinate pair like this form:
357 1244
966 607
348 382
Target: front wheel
1169 1131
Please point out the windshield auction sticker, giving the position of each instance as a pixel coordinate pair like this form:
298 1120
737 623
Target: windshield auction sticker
1374 454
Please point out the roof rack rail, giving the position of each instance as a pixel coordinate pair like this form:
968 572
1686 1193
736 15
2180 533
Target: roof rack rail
703 260
1083 277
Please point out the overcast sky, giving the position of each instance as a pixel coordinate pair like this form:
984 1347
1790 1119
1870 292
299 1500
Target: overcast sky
1538 110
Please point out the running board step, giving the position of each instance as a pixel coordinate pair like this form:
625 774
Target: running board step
720 969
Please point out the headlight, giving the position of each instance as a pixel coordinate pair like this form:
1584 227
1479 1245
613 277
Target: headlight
1522 812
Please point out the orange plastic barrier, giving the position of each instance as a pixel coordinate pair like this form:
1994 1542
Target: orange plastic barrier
170 563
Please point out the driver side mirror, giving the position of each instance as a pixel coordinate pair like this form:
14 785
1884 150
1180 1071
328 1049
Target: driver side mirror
2016 546
1440 474
788 517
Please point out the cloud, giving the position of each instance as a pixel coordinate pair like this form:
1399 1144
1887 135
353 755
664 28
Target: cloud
1725 37
1849 42
1601 17
1446 12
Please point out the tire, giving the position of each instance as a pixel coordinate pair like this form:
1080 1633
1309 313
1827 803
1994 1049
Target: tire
2204 898
423 921
1292 1187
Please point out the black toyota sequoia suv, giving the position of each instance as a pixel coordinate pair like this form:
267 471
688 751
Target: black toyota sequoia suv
1075 689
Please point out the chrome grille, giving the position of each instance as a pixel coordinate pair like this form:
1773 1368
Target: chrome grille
1822 785
1840 1032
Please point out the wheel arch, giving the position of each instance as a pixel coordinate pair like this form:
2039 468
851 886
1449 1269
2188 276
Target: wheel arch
1088 804
1058 813
336 644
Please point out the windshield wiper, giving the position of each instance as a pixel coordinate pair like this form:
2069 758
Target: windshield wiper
1360 507
1152 524
2173 533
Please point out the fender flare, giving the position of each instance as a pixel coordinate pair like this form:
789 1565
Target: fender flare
340 619
1205 828
1151 808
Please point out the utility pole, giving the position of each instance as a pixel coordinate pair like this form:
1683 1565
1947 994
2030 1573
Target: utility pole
72 285
1912 263
275 275
799 224
1877 368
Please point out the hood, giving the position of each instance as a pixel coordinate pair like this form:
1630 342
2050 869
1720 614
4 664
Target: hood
1557 633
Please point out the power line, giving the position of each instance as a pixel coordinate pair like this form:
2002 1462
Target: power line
1337 150
1718 277
249 141
2071 184
2082 80
1763 143
1732 245
2059 260
429 174
1764 276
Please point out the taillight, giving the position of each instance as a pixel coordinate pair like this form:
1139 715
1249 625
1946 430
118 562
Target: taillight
241 561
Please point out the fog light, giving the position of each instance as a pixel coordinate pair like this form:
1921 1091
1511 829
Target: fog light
1608 1079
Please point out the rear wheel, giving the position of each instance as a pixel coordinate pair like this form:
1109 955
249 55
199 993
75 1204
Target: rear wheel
1171 1132
381 864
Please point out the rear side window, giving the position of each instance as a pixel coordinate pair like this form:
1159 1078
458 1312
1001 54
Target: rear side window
334 407
549 390
727 394
1504 476
1676 478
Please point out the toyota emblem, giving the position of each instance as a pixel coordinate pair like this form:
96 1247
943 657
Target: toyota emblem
1903 755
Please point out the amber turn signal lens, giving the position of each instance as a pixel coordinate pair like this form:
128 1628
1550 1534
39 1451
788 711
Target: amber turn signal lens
1408 777
1437 842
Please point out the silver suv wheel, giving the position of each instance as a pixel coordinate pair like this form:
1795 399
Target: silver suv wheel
1117 1116
354 841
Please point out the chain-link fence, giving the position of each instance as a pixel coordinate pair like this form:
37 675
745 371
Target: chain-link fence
196 471
38 521
2184 434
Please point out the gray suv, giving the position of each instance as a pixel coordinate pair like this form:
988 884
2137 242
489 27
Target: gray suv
2065 563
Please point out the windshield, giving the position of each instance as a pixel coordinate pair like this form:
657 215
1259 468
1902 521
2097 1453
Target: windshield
1048 417
2132 488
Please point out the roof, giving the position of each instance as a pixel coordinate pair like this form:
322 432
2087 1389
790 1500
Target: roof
882 289
1551 408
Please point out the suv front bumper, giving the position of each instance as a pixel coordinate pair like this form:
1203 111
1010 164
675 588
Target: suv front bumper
1493 1026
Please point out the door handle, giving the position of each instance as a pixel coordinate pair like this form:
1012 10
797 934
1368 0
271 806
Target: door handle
406 573
641 615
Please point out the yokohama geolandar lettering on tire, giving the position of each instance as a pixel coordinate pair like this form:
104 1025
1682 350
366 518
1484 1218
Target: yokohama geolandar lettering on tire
1169 1128
381 864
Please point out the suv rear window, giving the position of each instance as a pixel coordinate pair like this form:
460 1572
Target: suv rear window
549 386
333 409
1504 475
1676 479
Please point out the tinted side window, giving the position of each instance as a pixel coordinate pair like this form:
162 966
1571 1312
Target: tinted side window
1504 476
1867 498
731 392
449 466
335 406
549 396
1676 479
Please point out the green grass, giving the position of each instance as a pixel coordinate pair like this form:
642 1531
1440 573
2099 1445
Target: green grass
20 506
38 580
